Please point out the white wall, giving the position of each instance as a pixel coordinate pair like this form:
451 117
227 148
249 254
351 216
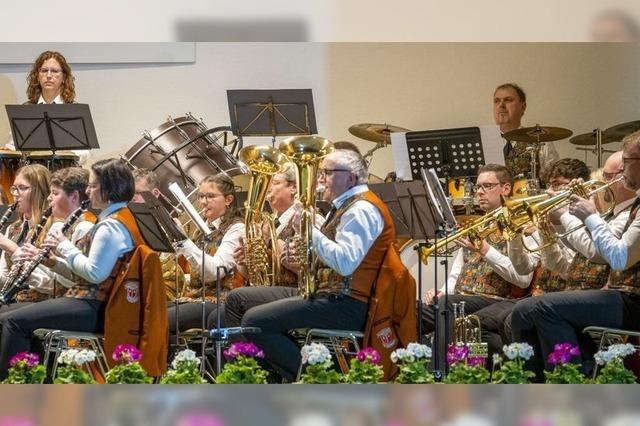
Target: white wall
418 86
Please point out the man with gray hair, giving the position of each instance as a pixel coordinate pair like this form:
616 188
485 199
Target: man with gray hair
350 248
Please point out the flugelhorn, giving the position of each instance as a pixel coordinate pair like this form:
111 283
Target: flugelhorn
538 212
476 231
306 152
263 162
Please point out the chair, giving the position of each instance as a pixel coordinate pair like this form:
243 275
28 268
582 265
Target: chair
609 336
341 343
56 341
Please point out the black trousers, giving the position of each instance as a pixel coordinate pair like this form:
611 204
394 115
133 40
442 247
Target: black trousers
493 319
240 300
560 317
65 313
277 318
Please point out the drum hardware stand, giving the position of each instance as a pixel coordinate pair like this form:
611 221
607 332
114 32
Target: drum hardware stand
534 152
174 161
598 150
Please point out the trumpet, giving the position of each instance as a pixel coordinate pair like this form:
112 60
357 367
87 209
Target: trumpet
476 231
520 215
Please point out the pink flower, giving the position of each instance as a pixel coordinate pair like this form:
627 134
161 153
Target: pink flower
247 349
562 353
475 360
457 353
30 359
368 354
126 352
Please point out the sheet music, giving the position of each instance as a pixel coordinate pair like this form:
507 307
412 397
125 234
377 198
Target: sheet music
401 156
492 144
191 211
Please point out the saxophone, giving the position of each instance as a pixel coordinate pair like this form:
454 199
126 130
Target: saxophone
306 152
263 162
17 284
16 268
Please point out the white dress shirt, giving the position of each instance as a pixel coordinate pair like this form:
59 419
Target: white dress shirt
357 230
289 213
224 253
111 240
619 251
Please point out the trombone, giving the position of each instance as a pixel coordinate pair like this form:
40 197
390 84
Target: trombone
519 214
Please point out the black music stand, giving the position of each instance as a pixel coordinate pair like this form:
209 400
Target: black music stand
285 112
450 152
52 127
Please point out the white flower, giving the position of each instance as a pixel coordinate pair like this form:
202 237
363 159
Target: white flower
402 355
315 353
518 350
614 351
525 351
510 351
76 357
419 351
497 359
186 356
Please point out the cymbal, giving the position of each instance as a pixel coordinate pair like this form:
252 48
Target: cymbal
538 134
379 133
587 139
619 131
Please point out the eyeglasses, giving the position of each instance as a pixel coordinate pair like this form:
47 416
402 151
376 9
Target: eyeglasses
330 172
54 71
610 176
208 195
625 160
93 185
19 189
485 186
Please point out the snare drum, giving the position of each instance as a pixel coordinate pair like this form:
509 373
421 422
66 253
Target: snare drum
9 164
409 258
61 160
177 152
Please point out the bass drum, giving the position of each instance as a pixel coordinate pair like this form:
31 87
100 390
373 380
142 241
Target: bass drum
184 151
409 258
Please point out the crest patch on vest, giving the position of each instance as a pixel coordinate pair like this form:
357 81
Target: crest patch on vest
132 289
386 337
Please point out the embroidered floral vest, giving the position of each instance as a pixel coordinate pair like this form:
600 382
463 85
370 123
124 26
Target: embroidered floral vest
194 292
518 160
547 282
359 284
287 278
477 277
629 279
587 275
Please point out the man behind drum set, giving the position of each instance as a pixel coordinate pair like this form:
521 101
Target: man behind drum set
483 276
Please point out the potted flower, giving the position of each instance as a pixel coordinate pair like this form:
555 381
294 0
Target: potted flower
185 369
564 371
512 371
614 370
242 365
365 367
73 366
128 370
319 366
24 368
412 364
465 368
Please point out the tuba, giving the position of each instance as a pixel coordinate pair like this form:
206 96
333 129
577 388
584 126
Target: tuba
263 162
306 152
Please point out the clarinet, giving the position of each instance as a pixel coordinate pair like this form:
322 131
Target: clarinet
20 281
17 267
5 217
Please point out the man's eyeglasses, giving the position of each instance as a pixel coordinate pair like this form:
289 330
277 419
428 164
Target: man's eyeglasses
625 160
54 71
485 186
19 189
610 176
207 195
330 172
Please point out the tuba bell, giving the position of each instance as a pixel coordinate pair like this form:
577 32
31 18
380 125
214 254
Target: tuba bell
306 152
263 162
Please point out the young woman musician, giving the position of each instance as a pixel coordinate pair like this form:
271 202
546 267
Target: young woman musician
94 264
216 196
30 189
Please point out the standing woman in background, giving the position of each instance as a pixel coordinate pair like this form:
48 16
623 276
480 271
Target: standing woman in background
50 80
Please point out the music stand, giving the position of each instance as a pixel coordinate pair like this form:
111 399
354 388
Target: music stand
52 127
285 112
450 152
